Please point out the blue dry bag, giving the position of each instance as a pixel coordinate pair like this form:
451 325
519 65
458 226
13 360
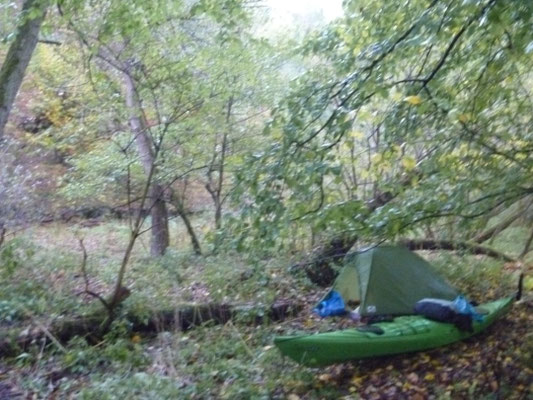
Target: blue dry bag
462 306
333 304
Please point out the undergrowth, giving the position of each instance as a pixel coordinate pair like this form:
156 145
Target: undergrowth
41 281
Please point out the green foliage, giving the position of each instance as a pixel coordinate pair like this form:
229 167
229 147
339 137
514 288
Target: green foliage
10 258
8 11
420 101
28 272
9 311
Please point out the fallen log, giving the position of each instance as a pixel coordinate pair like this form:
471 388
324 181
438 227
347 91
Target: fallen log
181 318
472 248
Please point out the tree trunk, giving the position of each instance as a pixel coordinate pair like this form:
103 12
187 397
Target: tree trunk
218 215
18 58
178 201
159 215
190 230
158 208
214 187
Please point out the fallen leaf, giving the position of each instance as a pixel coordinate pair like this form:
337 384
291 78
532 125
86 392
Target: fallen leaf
412 377
357 380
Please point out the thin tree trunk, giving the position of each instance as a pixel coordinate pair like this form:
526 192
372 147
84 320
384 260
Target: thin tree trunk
18 57
190 230
159 215
178 202
158 208
218 214
526 247
215 188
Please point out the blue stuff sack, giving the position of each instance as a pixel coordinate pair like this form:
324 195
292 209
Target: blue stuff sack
462 306
435 309
444 311
333 304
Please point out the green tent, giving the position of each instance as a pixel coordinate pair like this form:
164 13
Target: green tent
389 280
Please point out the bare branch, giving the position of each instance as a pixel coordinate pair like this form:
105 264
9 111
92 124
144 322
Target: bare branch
86 277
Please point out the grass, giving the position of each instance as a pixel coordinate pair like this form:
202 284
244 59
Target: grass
232 361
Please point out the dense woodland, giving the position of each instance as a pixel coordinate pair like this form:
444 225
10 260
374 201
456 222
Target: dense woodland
181 180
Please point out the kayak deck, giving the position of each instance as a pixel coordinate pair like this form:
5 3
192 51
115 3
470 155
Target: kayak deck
404 334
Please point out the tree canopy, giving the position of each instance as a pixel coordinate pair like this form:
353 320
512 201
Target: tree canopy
428 102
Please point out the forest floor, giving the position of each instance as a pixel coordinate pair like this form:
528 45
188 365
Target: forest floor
41 281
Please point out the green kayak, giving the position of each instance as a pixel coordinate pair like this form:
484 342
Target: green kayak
404 334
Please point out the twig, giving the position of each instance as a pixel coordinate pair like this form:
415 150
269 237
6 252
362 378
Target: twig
86 277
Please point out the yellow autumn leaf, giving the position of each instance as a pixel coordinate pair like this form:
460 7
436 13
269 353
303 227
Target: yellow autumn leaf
136 339
413 100
429 377
409 163
425 358
357 380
